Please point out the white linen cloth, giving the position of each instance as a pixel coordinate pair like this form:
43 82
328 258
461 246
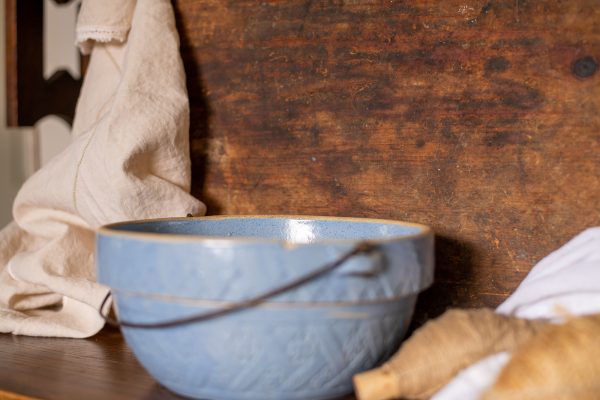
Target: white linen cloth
129 159
567 282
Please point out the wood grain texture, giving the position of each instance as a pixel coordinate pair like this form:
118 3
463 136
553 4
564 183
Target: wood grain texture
14 396
100 368
479 118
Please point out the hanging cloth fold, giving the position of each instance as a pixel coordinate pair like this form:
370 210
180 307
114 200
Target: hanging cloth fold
129 159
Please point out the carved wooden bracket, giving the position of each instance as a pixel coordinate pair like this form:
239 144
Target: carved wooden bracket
30 97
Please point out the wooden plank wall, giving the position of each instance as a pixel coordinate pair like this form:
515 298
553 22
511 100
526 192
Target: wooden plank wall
479 118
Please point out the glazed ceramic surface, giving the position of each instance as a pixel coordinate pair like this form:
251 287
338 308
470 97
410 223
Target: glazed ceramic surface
303 344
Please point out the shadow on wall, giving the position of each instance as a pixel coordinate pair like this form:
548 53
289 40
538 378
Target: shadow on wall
454 263
200 114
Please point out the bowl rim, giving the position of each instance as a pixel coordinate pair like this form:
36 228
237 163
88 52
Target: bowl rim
110 230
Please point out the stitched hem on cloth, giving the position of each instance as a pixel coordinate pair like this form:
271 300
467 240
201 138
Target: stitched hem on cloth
104 34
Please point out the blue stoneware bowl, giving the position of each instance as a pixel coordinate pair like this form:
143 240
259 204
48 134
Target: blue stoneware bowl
305 343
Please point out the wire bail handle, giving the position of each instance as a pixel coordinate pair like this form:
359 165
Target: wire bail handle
360 248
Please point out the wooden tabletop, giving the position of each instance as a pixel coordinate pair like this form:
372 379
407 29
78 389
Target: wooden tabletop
101 367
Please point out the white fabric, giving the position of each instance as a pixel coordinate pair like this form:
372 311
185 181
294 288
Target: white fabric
567 282
103 21
129 159
472 382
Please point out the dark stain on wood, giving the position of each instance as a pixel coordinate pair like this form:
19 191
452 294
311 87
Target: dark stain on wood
496 64
517 95
485 9
585 67
503 138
